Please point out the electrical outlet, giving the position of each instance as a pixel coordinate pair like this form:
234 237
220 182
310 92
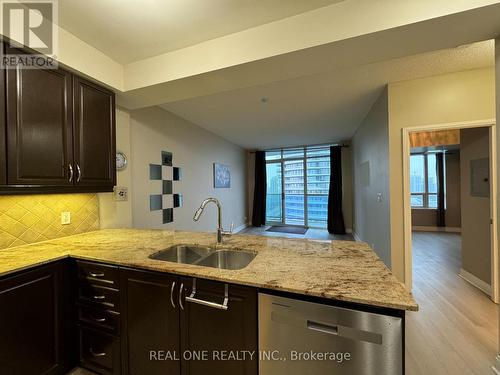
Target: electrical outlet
120 193
65 218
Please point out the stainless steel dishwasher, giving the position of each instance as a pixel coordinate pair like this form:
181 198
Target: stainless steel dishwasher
305 338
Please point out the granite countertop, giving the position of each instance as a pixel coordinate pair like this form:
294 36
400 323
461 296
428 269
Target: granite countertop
338 270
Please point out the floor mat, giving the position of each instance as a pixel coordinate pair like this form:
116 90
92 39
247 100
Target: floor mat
287 229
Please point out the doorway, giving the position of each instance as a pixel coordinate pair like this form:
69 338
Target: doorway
426 196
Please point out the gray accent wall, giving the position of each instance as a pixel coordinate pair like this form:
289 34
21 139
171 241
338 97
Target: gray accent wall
193 149
370 158
476 243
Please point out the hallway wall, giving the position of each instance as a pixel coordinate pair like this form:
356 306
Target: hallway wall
476 244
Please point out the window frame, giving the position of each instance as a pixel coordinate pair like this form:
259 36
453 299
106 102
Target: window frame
425 195
282 159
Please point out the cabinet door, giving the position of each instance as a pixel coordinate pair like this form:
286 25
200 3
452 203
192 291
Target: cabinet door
151 323
39 127
94 118
212 330
32 323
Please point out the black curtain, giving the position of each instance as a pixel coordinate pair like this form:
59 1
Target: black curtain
440 196
335 216
259 193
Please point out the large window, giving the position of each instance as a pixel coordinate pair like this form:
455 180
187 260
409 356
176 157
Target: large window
298 180
423 181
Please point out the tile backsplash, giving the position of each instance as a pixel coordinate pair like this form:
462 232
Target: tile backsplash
32 218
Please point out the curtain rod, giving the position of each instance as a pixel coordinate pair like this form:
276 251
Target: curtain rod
291 148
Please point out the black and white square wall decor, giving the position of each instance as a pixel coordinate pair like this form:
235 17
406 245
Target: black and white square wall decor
165 200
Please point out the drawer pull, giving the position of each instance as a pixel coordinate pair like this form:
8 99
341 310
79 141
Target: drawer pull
99 320
96 274
215 305
99 297
100 354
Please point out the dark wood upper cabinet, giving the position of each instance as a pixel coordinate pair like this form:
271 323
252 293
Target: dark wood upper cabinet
57 134
32 322
39 127
3 131
151 322
94 119
214 330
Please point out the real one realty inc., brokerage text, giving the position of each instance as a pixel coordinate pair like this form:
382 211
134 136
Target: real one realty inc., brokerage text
246 355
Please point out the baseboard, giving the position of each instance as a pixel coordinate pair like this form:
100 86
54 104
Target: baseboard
478 283
496 366
356 237
422 228
240 228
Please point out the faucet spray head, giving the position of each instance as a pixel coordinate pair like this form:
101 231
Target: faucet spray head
197 214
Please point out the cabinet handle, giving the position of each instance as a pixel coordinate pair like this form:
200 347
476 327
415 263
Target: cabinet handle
79 176
172 295
181 289
96 274
99 297
101 354
70 172
215 305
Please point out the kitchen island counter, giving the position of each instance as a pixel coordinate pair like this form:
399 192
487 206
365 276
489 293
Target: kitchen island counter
337 270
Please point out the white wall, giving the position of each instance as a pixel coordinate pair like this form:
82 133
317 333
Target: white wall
497 141
194 150
118 214
370 159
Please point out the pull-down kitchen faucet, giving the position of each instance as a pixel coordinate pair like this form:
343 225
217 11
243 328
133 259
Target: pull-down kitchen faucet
220 230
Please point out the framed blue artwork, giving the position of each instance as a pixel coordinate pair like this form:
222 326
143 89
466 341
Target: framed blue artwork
222 176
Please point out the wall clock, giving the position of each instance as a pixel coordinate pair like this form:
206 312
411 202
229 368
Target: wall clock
121 161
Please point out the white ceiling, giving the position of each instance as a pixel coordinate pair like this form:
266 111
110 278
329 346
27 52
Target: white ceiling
131 30
317 108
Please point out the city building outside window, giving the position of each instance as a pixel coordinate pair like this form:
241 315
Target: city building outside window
423 181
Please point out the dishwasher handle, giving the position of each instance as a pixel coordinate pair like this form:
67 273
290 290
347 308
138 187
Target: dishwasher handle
324 328
346 332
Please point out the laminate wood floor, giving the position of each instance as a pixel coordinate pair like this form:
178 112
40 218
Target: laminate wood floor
456 330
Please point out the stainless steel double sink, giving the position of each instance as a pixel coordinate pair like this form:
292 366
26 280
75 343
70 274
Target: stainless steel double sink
205 256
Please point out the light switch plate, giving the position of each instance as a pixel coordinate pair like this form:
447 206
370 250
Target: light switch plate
120 193
65 218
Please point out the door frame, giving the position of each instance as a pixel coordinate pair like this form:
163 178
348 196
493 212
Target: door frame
407 222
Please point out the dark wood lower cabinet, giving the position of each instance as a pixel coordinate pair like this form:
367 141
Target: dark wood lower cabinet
221 334
33 322
115 320
150 323
99 351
